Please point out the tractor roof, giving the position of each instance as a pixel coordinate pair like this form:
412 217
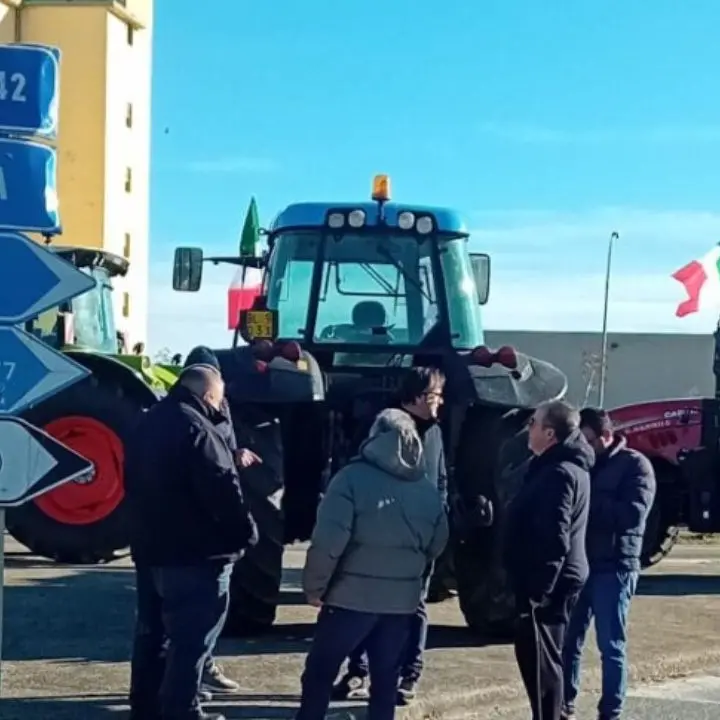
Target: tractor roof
314 214
83 257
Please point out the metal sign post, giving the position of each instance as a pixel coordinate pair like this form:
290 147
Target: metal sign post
32 280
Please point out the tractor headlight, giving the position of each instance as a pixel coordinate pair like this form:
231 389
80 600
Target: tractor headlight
356 219
406 220
336 220
424 225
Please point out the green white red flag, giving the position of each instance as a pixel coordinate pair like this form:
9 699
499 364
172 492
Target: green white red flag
701 280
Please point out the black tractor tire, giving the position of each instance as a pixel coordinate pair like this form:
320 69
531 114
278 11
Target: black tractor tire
93 542
663 524
257 576
491 461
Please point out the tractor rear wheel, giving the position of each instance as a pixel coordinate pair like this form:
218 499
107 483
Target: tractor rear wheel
256 578
491 461
81 522
663 524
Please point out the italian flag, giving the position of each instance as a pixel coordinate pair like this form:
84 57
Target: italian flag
701 280
247 283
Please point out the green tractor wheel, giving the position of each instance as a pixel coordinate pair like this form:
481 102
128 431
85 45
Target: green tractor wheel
81 522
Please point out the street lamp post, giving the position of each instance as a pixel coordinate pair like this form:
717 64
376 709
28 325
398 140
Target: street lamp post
604 337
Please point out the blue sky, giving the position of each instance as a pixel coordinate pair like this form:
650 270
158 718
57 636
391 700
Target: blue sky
550 124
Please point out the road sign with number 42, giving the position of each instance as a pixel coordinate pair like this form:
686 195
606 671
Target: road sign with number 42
29 80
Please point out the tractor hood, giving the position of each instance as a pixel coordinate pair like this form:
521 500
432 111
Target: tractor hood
532 383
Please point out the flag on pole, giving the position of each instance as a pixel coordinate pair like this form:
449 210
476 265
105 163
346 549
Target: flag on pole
701 280
250 235
247 283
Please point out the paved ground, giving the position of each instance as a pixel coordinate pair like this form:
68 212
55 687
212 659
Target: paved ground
67 637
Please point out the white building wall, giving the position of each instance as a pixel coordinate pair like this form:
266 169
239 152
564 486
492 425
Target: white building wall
641 366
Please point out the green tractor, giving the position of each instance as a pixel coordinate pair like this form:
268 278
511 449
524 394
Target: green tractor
353 294
85 522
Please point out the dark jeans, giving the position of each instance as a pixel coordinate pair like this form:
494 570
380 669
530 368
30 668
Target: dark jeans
412 660
180 613
539 638
337 633
607 597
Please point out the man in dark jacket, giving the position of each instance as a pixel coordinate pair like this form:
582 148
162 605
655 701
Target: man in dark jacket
188 525
214 681
421 396
545 550
621 495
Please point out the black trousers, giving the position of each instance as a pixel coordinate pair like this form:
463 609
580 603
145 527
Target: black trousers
539 639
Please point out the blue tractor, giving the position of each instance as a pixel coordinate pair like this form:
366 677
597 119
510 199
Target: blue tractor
354 294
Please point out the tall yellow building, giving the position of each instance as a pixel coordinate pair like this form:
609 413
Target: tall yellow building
103 131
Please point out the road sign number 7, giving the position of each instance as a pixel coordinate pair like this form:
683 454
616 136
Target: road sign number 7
7 370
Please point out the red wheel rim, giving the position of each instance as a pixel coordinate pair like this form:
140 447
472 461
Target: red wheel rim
82 503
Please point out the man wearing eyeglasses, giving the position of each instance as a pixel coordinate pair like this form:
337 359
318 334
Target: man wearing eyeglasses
545 552
421 396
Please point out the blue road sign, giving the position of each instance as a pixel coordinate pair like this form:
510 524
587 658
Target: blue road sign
28 187
31 371
29 89
32 463
34 279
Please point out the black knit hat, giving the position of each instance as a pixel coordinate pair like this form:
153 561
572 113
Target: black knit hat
202 355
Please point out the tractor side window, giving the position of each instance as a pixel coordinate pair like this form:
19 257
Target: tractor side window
45 327
462 296
289 280
93 319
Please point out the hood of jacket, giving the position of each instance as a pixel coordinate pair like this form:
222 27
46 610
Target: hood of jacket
394 445
575 449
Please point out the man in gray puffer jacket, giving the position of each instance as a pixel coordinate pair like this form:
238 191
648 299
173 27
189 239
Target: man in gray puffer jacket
379 526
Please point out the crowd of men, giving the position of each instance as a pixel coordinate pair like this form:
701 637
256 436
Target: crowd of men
572 548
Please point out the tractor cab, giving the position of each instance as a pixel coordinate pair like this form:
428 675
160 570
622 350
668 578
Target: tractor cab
365 284
86 322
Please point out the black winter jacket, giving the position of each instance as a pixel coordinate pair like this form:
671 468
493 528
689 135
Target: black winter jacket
622 490
182 486
544 544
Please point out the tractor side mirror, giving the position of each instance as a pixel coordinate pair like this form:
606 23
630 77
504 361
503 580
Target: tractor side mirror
187 269
481 273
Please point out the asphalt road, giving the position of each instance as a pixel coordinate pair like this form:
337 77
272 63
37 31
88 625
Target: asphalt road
68 631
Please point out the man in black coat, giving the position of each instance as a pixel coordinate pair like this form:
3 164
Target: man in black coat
545 550
214 681
189 524
621 496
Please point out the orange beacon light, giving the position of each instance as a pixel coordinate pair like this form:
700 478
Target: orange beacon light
381 188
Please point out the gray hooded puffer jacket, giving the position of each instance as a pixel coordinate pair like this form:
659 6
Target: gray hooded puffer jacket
379 526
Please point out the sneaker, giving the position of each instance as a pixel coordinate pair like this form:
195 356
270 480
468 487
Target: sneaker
568 715
214 682
407 689
350 687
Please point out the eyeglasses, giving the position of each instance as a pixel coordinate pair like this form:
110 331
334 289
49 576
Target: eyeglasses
433 395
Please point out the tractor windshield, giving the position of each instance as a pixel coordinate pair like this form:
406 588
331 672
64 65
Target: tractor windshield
93 319
379 290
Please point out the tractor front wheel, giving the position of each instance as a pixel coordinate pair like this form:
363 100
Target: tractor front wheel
81 522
